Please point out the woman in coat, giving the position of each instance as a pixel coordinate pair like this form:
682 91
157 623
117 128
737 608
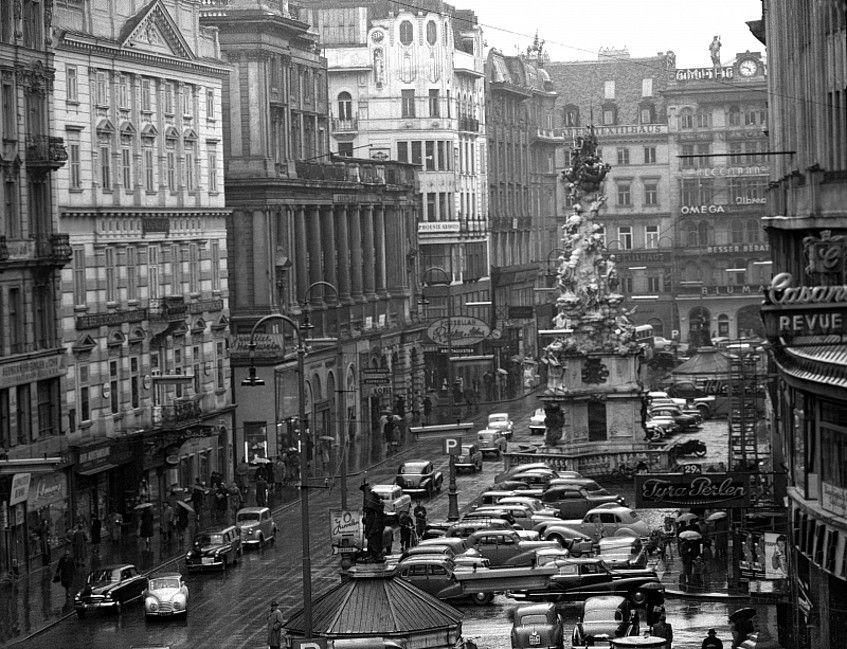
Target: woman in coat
147 525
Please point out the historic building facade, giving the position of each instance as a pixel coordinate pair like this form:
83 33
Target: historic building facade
623 98
717 199
805 307
145 297
303 218
33 428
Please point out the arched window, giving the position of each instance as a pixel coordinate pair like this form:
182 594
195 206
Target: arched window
723 325
753 231
692 235
431 32
407 32
686 119
734 116
570 115
736 231
704 119
345 106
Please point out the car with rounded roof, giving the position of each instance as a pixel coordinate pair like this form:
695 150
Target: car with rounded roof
464 528
435 575
522 515
165 595
109 588
537 626
257 526
502 422
216 548
469 458
394 500
572 501
534 504
574 540
537 425
419 478
591 486
602 619
491 441
615 521
506 548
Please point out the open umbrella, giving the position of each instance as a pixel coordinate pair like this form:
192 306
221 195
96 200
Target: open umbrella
688 516
742 614
261 460
717 516
185 506
690 535
141 506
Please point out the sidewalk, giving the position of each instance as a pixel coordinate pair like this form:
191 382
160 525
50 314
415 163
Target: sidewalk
714 584
33 602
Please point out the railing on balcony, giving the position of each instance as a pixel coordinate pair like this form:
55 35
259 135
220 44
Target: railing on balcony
171 308
181 411
345 125
314 171
45 151
468 124
399 175
56 248
557 135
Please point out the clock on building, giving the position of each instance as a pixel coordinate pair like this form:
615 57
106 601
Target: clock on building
748 67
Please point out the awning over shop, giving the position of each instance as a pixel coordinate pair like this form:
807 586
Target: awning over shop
816 359
29 465
479 358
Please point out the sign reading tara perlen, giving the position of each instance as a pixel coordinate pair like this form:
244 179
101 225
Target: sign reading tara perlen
672 490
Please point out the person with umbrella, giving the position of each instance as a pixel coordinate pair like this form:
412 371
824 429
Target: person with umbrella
168 523
742 625
79 544
261 491
65 572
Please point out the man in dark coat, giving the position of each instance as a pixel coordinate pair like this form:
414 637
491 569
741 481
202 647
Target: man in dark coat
79 543
374 521
65 572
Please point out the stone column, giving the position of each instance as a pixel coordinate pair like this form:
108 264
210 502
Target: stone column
379 249
343 247
330 253
368 245
395 251
300 257
356 264
261 260
315 296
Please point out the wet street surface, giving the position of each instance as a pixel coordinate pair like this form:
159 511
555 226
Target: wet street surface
229 609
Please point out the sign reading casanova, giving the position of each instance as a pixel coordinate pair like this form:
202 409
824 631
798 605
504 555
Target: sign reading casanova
665 490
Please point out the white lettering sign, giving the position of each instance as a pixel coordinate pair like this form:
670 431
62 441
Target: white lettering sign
719 172
815 322
345 527
20 488
702 209
782 292
744 200
438 226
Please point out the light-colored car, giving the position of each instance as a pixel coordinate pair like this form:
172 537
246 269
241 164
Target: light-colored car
165 596
534 504
394 501
616 521
537 625
502 422
602 619
470 458
257 526
491 440
622 552
536 422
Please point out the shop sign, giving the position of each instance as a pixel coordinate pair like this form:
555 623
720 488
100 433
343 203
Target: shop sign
659 256
834 499
110 319
35 369
345 529
438 226
739 247
723 172
206 305
47 489
20 488
701 74
624 129
710 490
521 312
266 344
743 200
458 331
92 458
702 209
722 290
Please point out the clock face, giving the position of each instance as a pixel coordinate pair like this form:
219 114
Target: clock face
748 67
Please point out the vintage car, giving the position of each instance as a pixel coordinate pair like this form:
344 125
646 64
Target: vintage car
519 486
578 578
109 588
444 551
524 516
506 548
458 545
619 552
536 422
502 422
470 458
490 511
493 496
464 528
491 440
219 548
165 596
534 504
419 478
573 501
685 422
591 486
394 500
520 468
574 541
537 625
616 521
256 525
603 618
435 575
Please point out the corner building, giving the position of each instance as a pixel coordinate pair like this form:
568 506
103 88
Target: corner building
805 308
302 216
145 297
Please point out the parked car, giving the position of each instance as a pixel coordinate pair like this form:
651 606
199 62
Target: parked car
603 618
394 500
491 441
534 504
436 576
506 548
502 422
685 422
218 548
616 521
470 458
109 588
622 552
572 501
577 542
591 486
493 496
444 551
522 515
537 625
535 478
165 596
578 578
458 545
464 528
490 512
419 477
520 468
536 422
521 487
257 526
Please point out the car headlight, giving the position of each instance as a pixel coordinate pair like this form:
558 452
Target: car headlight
187 556
250 532
151 604
179 603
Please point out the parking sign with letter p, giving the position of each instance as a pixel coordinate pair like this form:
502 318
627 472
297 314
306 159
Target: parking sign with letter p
452 445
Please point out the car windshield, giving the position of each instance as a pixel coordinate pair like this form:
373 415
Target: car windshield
248 517
107 575
163 583
466 449
593 486
413 468
528 620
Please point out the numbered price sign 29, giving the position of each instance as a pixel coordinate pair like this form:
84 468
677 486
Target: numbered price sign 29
345 530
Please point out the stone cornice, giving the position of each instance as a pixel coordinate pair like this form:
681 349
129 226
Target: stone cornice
146 212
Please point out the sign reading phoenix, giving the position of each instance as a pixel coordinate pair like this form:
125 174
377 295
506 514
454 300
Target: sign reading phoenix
680 490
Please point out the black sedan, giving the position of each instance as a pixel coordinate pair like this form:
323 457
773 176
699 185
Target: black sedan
589 577
418 478
109 588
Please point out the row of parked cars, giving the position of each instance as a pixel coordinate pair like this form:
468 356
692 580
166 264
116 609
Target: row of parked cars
667 416
112 587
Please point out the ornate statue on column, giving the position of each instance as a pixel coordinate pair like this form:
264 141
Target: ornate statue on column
715 51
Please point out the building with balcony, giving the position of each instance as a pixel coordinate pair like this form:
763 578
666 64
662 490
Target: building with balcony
302 217
33 430
717 118
805 307
523 192
623 98
145 298
408 86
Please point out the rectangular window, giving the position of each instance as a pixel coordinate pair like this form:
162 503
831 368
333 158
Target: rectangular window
216 265
189 166
403 151
651 194
114 387
153 271
442 162
654 284
625 237
105 166
169 98
689 192
609 89
736 150
102 89
73 160
171 169
176 271
449 108
417 155
704 119
123 89
651 236
430 155
407 103
219 369
430 207
42 316
434 103
626 284
624 195
48 407
213 172
649 155
194 268
6 440
126 167
186 96
210 104
111 282
84 402
647 87
703 150
149 178
442 206
687 162
24 414
131 273
608 116
10 203
72 83
706 191
146 103
16 320
10 112
134 383
195 369
178 370
623 156
79 277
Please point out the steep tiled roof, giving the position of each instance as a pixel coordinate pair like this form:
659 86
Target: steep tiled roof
371 604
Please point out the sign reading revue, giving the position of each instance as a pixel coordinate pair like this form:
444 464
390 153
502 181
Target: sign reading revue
791 311
666 490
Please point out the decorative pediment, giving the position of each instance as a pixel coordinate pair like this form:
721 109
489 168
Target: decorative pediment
221 324
148 130
189 134
84 344
116 338
137 335
171 133
105 126
199 326
153 30
127 129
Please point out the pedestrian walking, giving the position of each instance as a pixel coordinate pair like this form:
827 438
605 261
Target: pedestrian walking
79 546
116 526
221 503
662 629
168 523
279 475
181 523
420 518
275 622
388 539
44 541
146 529
65 572
407 529
712 641
261 491
741 628
198 495
698 569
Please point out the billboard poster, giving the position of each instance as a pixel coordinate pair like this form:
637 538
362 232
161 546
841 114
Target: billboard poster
776 557
752 565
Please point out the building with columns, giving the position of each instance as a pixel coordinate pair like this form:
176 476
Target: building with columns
33 430
302 217
145 297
